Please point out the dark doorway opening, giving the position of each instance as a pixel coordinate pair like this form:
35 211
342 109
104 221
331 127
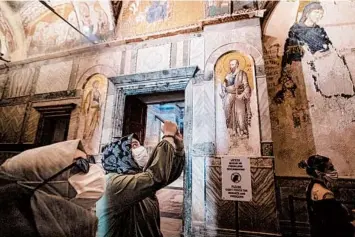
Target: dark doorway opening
142 115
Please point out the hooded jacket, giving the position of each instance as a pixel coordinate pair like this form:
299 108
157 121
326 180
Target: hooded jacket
129 207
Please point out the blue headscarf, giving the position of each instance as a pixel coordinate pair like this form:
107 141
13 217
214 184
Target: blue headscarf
117 157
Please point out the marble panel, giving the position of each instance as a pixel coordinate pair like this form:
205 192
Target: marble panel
20 82
197 49
3 80
153 58
203 113
198 188
54 77
31 127
180 54
11 123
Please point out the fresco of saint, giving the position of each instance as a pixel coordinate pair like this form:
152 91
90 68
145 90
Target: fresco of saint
308 41
236 94
92 110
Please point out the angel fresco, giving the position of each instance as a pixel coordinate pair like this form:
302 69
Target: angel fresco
308 41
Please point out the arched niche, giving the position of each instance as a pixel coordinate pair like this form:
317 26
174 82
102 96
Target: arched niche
256 78
92 112
97 69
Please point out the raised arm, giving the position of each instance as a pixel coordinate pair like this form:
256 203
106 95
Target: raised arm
164 167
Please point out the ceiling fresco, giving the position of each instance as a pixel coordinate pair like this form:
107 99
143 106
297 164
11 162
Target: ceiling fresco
39 31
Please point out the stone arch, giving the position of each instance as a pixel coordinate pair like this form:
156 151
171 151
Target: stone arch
243 48
102 69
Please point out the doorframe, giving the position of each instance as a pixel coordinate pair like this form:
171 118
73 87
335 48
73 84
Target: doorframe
150 83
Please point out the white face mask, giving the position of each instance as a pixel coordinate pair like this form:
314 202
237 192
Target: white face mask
329 177
89 187
140 155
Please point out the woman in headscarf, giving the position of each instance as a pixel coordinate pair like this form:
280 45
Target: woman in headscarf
129 207
307 40
327 216
49 191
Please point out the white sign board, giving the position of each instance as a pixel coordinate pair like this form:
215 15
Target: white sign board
236 179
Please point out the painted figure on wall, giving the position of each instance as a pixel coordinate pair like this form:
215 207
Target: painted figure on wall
308 41
237 126
217 8
7 41
87 24
236 100
157 11
92 110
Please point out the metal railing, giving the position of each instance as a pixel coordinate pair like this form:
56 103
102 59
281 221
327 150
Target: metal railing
291 206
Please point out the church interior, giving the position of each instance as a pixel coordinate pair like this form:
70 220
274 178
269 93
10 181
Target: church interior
96 70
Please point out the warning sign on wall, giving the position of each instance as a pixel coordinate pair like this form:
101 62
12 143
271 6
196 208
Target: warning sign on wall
236 179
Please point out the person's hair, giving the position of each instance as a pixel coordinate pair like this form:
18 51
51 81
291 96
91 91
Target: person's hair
237 62
313 163
308 9
135 136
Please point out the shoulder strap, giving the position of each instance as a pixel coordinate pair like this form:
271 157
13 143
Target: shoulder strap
81 163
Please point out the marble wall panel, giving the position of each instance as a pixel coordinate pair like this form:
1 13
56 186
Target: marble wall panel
20 82
107 64
203 118
259 215
3 80
197 52
219 213
54 77
153 59
11 123
245 31
198 192
31 127
179 54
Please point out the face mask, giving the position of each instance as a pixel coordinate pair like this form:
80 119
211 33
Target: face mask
89 187
329 178
331 175
140 155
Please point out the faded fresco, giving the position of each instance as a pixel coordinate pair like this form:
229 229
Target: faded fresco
244 6
7 39
147 17
217 7
95 19
311 86
47 33
237 116
92 107
310 42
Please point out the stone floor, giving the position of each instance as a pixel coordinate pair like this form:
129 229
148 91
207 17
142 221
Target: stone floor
170 227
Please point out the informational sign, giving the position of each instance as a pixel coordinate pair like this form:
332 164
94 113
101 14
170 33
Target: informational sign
236 179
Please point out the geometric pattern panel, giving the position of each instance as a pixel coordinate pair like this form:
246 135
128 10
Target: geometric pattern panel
3 79
219 213
11 119
54 77
20 82
260 214
31 126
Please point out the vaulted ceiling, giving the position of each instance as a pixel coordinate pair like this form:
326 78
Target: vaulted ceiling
34 28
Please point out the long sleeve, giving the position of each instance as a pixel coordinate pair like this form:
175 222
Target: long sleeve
164 167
